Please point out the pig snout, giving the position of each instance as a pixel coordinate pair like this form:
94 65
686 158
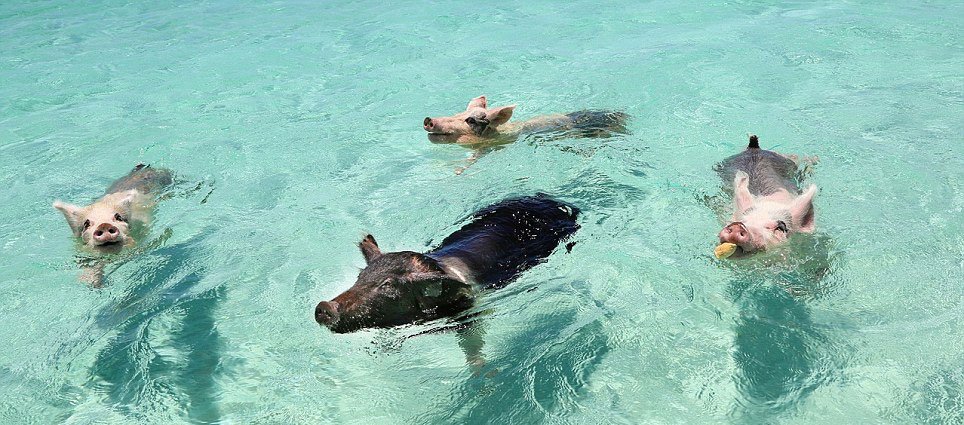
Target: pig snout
326 313
106 233
735 233
428 124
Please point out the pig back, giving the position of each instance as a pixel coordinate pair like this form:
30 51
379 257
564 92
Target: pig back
596 123
769 171
507 238
143 178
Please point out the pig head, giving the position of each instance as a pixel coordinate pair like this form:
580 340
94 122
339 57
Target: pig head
105 224
762 222
477 121
394 288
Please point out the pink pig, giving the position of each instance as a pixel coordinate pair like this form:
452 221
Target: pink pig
107 226
479 124
769 206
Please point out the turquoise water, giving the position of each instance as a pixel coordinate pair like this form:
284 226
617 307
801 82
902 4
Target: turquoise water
294 128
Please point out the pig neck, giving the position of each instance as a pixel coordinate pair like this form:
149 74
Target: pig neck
471 259
541 123
770 187
508 132
771 174
457 269
781 196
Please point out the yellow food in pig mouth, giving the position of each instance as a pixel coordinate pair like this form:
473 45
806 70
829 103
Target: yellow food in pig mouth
725 250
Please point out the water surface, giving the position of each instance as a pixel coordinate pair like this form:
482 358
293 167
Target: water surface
294 128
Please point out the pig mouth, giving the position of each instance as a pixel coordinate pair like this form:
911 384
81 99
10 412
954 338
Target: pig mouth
443 137
439 132
740 252
744 252
110 246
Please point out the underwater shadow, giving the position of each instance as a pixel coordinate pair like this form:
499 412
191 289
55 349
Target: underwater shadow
935 398
540 373
780 353
143 373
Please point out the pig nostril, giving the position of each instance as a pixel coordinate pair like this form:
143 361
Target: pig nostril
112 230
326 313
98 233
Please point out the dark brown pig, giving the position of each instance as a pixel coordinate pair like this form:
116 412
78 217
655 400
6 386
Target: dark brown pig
500 242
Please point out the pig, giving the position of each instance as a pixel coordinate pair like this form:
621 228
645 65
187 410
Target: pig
106 226
500 242
768 204
479 124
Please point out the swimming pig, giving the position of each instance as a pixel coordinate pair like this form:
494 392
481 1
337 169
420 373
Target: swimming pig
105 226
769 206
481 124
500 242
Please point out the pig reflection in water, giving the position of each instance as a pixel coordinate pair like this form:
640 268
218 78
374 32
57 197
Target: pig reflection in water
768 205
500 242
482 127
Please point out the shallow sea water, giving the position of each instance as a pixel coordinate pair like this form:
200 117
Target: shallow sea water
295 127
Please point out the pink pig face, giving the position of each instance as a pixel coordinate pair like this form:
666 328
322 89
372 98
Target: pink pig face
763 222
477 121
103 225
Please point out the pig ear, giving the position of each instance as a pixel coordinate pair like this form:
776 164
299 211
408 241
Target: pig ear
741 191
478 102
73 214
801 209
498 116
369 248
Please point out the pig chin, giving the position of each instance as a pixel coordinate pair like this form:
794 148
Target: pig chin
743 251
344 325
443 137
343 318
446 131
108 247
749 248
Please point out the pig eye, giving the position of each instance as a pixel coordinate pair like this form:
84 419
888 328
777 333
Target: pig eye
118 217
86 224
782 226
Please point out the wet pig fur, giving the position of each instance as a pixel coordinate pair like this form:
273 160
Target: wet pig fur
480 124
768 205
500 242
